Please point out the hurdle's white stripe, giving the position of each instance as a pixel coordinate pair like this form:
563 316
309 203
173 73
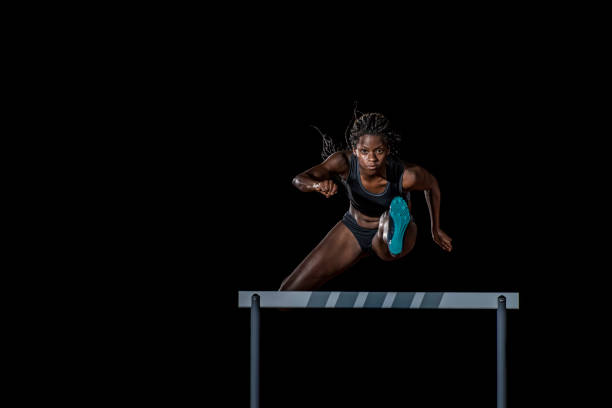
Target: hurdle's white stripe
389 300
361 298
333 298
418 299
476 300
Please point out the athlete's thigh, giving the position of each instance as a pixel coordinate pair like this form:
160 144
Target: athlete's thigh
336 252
338 249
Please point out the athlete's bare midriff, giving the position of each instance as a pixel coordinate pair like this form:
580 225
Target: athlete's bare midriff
364 220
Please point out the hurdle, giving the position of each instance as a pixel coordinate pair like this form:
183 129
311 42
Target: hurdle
379 300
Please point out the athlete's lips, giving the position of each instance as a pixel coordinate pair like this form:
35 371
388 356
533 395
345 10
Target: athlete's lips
371 167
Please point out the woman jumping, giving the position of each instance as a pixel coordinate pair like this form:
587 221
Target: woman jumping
379 216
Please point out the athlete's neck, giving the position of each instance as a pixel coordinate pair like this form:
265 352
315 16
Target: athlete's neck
369 176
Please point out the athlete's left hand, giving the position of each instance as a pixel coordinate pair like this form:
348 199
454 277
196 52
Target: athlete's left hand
442 239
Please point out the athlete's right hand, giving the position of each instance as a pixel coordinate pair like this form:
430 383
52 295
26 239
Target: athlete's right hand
326 187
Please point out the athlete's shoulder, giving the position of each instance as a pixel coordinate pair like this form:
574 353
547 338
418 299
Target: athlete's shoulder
339 159
407 166
338 163
411 174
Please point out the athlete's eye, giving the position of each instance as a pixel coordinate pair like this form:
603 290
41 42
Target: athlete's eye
380 151
364 151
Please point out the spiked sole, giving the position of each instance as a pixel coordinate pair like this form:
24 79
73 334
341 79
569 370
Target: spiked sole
400 215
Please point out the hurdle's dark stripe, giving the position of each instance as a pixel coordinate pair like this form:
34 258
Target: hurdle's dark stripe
431 300
403 300
347 299
375 300
318 299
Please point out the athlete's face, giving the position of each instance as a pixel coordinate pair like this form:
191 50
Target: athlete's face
371 152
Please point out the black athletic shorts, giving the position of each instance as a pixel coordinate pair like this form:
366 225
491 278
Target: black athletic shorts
364 235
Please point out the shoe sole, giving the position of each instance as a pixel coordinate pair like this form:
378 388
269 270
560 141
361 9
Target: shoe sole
400 215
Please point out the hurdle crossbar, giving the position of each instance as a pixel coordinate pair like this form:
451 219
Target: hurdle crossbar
501 301
379 300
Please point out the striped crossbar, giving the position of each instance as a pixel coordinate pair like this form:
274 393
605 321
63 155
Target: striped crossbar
379 300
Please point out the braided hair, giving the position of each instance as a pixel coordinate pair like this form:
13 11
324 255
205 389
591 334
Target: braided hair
374 124
364 124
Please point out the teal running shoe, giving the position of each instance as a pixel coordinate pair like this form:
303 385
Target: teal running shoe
399 219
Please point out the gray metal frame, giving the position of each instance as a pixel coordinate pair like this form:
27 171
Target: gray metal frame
404 300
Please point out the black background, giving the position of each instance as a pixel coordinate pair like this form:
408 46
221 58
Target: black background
198 129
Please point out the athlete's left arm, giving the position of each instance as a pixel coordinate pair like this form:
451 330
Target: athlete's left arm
417 178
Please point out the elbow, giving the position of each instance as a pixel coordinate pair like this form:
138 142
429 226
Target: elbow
296 182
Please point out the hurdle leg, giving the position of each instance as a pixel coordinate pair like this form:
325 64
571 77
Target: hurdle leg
255 351
501 352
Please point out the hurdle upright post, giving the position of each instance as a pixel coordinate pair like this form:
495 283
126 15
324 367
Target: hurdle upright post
501 352
255 351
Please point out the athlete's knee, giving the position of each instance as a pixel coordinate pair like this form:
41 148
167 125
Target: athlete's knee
389 257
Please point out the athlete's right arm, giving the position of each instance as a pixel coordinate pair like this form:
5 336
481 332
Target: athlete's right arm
319 177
